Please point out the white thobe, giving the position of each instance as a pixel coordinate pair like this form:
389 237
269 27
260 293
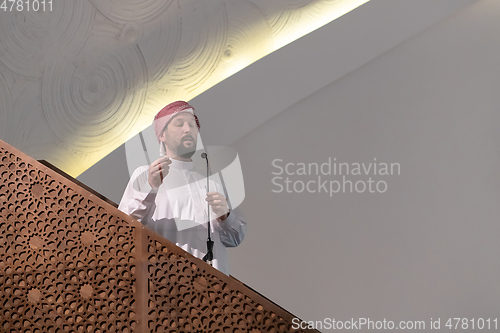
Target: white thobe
177 210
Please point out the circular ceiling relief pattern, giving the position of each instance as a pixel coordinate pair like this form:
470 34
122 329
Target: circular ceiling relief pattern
160 41
249 36
93 100
125 11
200 50
30 38
284 17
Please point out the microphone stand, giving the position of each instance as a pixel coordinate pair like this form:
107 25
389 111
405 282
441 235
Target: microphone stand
210 244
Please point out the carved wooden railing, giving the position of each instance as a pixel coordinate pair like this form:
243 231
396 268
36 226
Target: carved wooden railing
71 262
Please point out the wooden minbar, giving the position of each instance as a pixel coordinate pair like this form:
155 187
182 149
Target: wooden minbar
71 262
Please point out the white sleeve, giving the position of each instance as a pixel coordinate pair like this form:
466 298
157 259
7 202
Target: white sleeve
139 197
233 229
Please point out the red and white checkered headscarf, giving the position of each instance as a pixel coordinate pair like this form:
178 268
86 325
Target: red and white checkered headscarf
163 117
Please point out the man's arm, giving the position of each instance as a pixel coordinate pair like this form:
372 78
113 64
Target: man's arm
232 226
139 197
232 229
140 194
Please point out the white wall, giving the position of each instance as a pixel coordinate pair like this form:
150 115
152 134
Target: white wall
428 246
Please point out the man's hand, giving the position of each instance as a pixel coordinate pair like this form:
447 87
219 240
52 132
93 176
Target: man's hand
158 170
219 205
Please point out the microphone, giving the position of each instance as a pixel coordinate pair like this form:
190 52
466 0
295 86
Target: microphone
210 244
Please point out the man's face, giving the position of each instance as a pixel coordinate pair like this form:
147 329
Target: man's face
180 135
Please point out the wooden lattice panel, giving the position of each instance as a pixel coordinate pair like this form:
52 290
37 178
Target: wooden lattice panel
71 262
67 264
196 300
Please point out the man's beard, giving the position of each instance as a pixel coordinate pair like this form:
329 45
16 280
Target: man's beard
186 152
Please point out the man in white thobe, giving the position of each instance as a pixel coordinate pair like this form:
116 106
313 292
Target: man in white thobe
170 196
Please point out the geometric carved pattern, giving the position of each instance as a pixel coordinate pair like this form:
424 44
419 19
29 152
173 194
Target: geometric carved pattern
188 294
70 262
66 263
